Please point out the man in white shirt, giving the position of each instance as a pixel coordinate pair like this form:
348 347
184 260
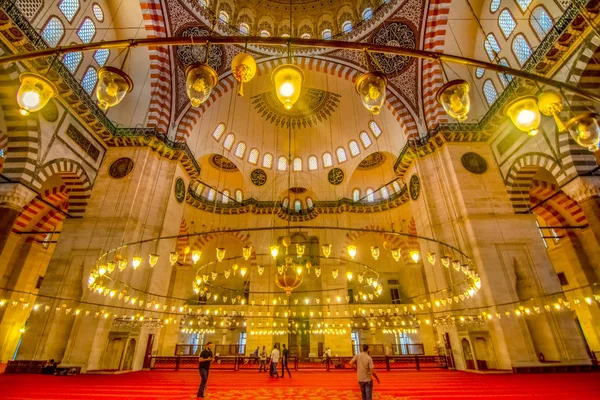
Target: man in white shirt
274 361
365 371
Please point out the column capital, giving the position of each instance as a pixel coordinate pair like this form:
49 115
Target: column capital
583 188
15 195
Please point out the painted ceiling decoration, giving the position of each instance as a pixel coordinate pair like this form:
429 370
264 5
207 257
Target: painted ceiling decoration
313 107
371 161
222 163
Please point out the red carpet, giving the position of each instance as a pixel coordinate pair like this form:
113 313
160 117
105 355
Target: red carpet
245 385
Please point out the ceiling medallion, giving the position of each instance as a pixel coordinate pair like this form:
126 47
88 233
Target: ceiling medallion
474 163
179 190
414 187
371 161
121 168
222 163
335 176
312 107
190 54
258 177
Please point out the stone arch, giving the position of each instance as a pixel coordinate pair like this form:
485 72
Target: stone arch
347 72
521 173
76 181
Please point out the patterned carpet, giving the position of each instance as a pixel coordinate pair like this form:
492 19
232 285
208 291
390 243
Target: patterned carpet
335 385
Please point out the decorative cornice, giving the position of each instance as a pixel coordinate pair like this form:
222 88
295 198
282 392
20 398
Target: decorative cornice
583 188
15 195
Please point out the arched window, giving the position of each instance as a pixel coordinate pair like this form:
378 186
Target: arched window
327 160
367 13
504 78
89 80
211 194
313 163
340 154
225 197
203 3
492 48
385 193
309 203
541 22
228 142
521 49
297 205
53 32
365 139
347 27
286 35
69 8
326 34
305 36
223 16
297 164
218 132
253 156
370 195
494 5
356 195
267 161
523 4
101 56
244 28
265 33
354 149
489 91
506 22
479 72
282 164
396 186
98 13
72 61
285 202
199 189
87 30
375 129
239 196
240 150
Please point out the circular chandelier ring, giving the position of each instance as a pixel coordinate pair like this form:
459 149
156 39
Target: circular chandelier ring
333 44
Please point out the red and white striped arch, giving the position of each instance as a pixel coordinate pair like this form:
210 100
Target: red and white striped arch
159 111
346 72
43 214
559 205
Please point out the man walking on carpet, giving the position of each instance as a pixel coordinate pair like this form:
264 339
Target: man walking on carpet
365 371
274 361
204 361
285 354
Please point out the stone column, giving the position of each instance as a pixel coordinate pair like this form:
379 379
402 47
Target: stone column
585 190
13 197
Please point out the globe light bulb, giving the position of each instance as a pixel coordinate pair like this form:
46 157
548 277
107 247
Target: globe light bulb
287 89
136 262
415 255
288 80
524 114
34 93
349 275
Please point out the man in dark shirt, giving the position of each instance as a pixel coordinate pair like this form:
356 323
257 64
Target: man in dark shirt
206 357
285 354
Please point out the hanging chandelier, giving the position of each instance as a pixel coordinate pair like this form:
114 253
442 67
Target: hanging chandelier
454 97
288 80
34 93
200 81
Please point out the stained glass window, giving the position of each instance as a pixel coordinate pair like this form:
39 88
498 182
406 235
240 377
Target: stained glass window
305 36
282 164
365 139
385 193
265 33
492 48
356 195
297 164
240 150
354 149
239 196
523 4
223 16
267 161
494 5
285 202
98 13
370 195
101 56
228 142
326 34
297 205
218 132
309 202
211 194
72 61
69 8
327 160
253 156
507 22
521 49
313 163
375 129
89 80
489 91
541 22
244 28
53 31
225 197
340 153
504 78
479 72
347 27
396 186
367 13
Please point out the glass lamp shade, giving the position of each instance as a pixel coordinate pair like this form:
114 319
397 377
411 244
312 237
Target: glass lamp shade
584 130
371 87
300 249
261 269
34 93
288 80
196 254
349 275
326 248
113 85
136 262
454 97
200 81
351 251
274 251
247 252
173 257
524 114
431 258
220 253
153 259
415 255
243 69
375 252
550 103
